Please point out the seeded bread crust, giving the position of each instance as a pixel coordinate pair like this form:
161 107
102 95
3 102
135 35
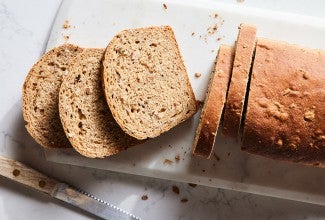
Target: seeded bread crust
285 117
85 116
214 103
145 82
245 47
41 96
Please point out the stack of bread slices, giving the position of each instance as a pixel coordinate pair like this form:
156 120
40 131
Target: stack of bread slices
267 94
103 101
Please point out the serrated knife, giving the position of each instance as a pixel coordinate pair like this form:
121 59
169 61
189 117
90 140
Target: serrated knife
27 176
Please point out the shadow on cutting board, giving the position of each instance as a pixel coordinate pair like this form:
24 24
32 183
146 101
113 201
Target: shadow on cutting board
229 163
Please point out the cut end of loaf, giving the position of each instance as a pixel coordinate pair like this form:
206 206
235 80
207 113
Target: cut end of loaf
146 83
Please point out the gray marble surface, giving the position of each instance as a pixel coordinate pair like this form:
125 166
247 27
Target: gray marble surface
24 28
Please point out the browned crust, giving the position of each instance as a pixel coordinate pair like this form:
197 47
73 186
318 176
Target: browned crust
193 103
245 47
214 103
285 117
48 142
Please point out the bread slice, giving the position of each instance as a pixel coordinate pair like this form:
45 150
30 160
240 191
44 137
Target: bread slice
41 96
85 116
245 48
214 103
145 82
285 116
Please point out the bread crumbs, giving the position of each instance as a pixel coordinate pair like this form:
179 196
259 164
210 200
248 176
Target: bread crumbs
197 75
66 24
212 30
168 162
165 6
193 34
144 197
177 158
184 200
176 190
66 37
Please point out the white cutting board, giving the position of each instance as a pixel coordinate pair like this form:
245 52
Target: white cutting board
94 23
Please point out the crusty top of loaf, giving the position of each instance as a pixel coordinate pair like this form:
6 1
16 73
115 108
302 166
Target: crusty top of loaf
85 116
146 83
214 103
245 47
41 96
286 112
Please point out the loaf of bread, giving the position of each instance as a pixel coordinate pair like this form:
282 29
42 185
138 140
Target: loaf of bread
41 96
85 116
285 117
245 47
214 103
145 82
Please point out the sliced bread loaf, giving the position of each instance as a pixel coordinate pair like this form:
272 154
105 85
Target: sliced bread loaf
214 103
145 82
245 48
285 116
41 96
85 116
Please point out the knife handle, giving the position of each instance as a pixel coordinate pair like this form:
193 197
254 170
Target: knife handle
21 173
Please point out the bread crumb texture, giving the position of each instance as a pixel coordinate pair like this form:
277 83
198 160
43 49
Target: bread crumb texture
286 115
146 83
41 96
85 116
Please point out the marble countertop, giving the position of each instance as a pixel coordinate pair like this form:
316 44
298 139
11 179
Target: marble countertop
24 29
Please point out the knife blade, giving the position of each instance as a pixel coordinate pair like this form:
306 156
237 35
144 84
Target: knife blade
90 203
32 178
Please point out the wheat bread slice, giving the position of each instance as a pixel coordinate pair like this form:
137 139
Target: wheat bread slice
214 103
85 116
145 82
41 96
285 118
245 47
